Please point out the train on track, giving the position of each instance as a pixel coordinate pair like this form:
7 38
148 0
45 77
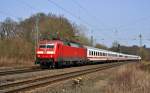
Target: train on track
59 53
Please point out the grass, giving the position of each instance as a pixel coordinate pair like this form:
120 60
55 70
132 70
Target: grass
130 79
14 62
145 62
16 52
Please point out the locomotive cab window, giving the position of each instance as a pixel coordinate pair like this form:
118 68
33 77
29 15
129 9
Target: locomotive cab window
46 46
50 46
42 46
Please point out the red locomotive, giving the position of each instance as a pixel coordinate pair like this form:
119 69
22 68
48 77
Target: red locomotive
56 53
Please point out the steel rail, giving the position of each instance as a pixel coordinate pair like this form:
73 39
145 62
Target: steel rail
18 71
40 81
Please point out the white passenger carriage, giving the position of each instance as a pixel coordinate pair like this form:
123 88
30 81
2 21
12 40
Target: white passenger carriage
94 54
100 55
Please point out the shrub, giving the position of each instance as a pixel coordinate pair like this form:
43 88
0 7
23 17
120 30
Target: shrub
130 79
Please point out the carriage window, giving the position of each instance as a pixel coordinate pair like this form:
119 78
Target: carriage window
92 53
89 52
100 54
103 54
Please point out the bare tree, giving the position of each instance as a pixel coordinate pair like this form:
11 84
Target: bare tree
9 29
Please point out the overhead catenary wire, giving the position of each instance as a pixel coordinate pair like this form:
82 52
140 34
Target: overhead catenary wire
90 14
70 13
134 22
28 5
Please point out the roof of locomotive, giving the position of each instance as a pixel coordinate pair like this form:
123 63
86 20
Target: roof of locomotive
69 43
49 41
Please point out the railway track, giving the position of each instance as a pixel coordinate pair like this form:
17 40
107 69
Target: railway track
18 71
31 83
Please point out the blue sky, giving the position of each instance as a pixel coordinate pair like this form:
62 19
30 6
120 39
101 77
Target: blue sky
109 20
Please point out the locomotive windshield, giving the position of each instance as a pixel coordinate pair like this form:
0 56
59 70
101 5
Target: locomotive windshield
46 46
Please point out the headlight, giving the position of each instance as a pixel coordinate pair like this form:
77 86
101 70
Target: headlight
50 52
39 52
